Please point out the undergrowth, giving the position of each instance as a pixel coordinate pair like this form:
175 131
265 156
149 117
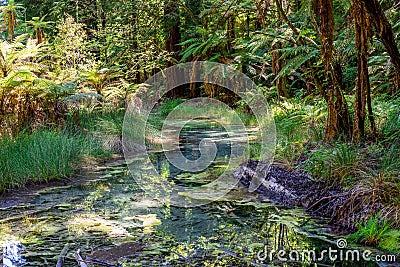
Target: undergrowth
369 172
51 154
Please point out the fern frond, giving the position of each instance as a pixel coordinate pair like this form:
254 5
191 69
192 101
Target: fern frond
296 62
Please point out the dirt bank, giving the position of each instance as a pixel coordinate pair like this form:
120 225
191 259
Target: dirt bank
292 187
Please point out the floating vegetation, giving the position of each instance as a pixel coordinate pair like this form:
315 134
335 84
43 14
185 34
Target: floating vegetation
111 222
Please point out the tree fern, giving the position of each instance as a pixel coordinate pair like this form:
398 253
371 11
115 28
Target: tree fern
296 62
200 47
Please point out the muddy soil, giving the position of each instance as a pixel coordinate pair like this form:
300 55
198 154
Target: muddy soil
296 188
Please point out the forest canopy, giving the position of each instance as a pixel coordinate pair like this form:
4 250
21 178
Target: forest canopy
61 52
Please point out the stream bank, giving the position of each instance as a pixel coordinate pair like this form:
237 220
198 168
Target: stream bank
109 212
110 220
296 188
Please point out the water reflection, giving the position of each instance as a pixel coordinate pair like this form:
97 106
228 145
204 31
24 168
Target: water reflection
108 210
189 146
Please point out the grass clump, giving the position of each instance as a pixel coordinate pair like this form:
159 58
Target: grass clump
42 156
338 164
372 232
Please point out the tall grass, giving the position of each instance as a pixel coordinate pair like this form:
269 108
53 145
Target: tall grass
105 126
42 156
339 164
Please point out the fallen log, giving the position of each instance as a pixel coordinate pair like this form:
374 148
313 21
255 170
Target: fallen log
63 253
79 259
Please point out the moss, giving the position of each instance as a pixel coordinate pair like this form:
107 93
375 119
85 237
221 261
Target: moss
391 241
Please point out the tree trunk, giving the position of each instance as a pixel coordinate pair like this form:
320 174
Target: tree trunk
172 23
363 32
338 121
277 63
12 23
134 42
230 33
262 8
277 66
324 11
384 32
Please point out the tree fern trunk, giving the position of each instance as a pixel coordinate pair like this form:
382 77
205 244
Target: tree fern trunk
338 121
172 23
385 33
362 31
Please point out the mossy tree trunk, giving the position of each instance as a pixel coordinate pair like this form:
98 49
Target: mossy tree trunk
338 121
363 90
173 37
279 63
385 33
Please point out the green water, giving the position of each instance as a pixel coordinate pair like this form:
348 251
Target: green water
107 208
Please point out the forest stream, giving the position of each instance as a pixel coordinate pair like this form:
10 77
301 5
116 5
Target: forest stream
107 216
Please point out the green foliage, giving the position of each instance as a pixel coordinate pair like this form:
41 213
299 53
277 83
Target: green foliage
288 153
298 56
70 46
167 106
297 122
26 96
247 118
10 13
255 150
390 241
19 55
387 110
203 48
39 25
371 232
390 160
340 164
109 123
42 156
105 126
